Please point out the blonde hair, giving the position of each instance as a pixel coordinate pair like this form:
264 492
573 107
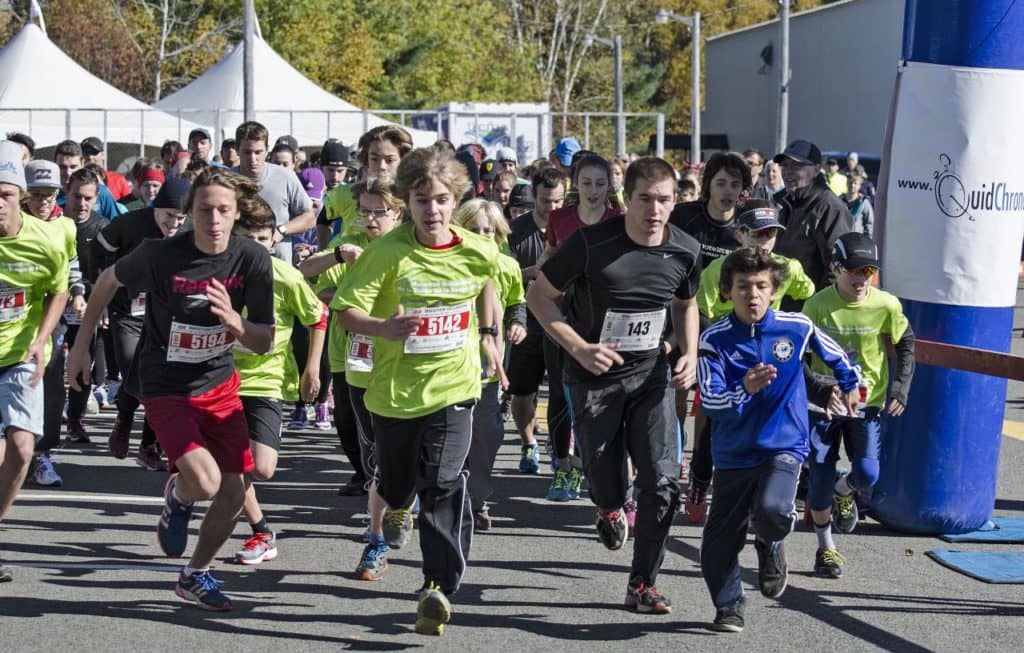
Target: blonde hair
247 191
478 206
382 188
426 164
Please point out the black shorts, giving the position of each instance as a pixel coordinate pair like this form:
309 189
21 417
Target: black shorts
264 417
526 365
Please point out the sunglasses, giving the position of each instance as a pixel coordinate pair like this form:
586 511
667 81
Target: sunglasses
766 233
866 271
376 214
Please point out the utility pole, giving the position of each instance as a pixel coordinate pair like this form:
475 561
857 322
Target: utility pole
781 135
620 118
248 79
661 17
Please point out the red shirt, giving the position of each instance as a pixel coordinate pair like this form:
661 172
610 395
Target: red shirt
564 222
118 185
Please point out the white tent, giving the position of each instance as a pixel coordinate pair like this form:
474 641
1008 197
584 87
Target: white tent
44 93
287 102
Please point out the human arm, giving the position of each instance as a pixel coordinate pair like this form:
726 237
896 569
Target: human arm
487 303
899 389
723 399
800 286
79 360
258 338
830 353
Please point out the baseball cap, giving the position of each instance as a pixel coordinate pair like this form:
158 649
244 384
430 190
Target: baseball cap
854 249
91 145
487 169
759 218
313 181
505 154
172 194
335 153
200 133
564 150
804 152
11 169
521 196
288 141
40 173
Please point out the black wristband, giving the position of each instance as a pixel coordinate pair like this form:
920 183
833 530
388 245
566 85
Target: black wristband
337 254
489 330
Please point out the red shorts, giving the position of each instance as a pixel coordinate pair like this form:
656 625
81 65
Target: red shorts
213 421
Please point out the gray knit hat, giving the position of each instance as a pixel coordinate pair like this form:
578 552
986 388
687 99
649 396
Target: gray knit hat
11 169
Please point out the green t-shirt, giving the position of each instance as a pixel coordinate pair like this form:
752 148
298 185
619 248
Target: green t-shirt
710 303
33 264
276 374
440 365
858 327
330 279
339 204
509 282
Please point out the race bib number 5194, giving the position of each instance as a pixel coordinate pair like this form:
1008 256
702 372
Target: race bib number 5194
189 343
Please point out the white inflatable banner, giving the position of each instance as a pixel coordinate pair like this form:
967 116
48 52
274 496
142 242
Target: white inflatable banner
955 197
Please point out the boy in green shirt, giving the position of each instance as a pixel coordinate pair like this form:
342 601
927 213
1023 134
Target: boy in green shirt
33 294
860 318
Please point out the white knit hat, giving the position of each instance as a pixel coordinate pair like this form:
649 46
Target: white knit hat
11 169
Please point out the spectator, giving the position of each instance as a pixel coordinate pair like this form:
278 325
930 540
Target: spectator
94 151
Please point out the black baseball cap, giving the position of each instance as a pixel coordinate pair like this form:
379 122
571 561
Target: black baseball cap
854 249
759 218
521 196
804 152
335 153
288 141
488 169
200 132
91 145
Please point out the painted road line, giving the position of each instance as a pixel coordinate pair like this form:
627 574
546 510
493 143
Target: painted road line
103 498
1013 429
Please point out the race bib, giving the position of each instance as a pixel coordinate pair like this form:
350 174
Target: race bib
442 328
633 331
70 316
12 304
189 343
360 354
138 308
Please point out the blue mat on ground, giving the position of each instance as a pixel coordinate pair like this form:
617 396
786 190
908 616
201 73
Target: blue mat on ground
989 566
999 529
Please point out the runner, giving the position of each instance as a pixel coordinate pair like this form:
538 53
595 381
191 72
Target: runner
592 180
196 283
268 379
127 310
426 276
526 360
861 318
33 293
43 181
485 218
753 390
619 281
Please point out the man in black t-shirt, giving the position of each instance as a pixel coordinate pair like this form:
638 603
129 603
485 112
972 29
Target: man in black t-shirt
197 285
526 360
620 280
127 308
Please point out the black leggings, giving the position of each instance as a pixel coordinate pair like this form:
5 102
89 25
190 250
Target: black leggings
559 425
53 392
345 423
300 345
77 399
125 333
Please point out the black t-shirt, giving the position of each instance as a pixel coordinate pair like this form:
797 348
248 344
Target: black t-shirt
185 350
600 269
85 234
527 242
117 240
716 239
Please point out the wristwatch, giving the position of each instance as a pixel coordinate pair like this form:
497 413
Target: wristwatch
489 330
337 254
282 229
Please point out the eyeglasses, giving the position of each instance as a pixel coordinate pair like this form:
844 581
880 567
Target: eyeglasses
866 271
43 195
755 164
376 214
765 234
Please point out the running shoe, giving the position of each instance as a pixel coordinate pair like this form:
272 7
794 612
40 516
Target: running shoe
374 562
845 516
172 530
630 509
76 432
397 527
150 458
482 519
120 437
696 504
5 574
772 571
529 463
323 418
559 490
646 598
828 563
203 589
611 528
730 620
433 611
356 487
300 418
575 483
45 474
258 548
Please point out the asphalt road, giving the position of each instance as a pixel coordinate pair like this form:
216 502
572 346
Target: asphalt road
89 574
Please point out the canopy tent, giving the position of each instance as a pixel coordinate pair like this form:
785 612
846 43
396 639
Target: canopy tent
287 102
45 94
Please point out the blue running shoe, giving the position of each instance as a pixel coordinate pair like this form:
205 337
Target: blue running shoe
559 490
529 463
172 531
202 589
374 562
575 483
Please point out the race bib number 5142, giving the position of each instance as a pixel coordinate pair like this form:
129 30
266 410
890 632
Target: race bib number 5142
189 343
442 328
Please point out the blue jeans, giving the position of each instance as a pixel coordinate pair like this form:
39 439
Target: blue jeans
861 438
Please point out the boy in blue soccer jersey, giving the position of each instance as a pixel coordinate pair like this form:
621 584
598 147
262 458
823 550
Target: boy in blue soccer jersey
752 388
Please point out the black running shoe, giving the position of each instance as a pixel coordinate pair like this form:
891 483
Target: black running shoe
772 572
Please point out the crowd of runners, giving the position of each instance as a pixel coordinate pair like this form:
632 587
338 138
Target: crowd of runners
416 301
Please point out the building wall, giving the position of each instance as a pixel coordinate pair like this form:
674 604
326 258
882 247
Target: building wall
843 60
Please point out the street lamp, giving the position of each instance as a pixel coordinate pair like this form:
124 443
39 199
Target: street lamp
620 119
693 22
